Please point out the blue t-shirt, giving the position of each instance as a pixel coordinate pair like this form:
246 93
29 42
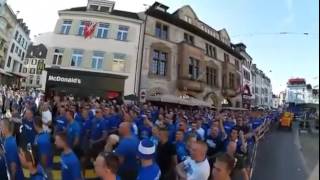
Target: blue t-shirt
3 169
39 175
181 150
44 146
151 172
70 167
98 126
145 132
127 148
86 129
11 155
114 121
73 132
61 123
28 133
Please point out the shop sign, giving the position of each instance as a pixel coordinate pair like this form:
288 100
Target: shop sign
64 79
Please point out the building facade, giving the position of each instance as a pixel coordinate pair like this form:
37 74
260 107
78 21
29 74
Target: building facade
275 102
34 64
262 88
8 24
298 92
184 57
17 51
246 81
95 41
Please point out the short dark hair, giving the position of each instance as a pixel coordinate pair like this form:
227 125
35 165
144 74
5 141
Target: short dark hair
71 112
38 121
63 136
226 158
31 154
112 161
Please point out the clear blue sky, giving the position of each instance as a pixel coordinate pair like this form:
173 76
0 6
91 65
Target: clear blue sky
286 55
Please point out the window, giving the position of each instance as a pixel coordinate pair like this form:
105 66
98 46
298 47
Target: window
246 75
188 38
97 60
122 33
57 56
19 40
19 54
34 62
236 62
226 58
212 76
94 7
30 79
32 71
66 26
38 80
118 62
39 71
159 63
9 62
161 31
26 61
188 19
76 58
12 48
231 80
104 9
24 70
17 49
16 35
20 68
211 51
22 43
103 30
22 57
81 28
193 68
26 45
215 77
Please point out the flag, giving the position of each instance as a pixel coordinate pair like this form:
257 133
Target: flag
89 29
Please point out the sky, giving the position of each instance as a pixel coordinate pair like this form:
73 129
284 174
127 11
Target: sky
256 23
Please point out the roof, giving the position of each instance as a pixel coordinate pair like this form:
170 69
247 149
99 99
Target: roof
34 51
113 12
170 18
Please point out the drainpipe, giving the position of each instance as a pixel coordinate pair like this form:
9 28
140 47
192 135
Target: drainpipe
142 53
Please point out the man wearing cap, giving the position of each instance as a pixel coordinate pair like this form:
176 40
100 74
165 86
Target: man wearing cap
149 169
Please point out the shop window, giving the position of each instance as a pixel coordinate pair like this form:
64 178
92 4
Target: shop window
119 62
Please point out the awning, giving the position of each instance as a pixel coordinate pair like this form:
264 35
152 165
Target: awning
168 98
19 74
4 72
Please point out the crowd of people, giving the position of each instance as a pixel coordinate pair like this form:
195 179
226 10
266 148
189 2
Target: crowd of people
124 141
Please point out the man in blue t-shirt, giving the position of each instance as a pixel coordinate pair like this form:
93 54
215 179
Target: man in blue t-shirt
11 150
181 147
99 133
127 151
61 121
44 147
73 131
27 130
70 164
149 169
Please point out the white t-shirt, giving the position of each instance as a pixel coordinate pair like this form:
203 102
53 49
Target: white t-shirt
201 133
196 171
46 118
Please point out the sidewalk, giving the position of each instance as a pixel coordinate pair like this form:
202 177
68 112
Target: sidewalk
310 149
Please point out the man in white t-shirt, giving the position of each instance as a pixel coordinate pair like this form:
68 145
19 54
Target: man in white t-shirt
197 167
46 117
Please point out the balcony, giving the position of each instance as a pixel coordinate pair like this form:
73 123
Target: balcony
185 84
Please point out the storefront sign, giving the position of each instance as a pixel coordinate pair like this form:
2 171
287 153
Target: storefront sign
64 79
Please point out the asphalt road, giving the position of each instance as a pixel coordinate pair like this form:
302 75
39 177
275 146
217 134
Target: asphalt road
279 158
